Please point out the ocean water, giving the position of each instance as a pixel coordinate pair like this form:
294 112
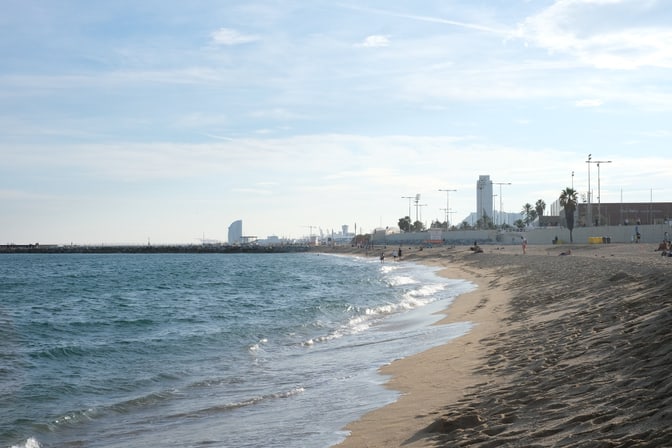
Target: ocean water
205 350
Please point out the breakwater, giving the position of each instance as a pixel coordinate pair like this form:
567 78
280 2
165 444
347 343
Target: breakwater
150 249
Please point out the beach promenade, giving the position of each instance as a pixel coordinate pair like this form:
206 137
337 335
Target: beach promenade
572 351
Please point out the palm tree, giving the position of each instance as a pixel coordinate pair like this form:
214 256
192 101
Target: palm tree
527 213
540 206
568 200
533 215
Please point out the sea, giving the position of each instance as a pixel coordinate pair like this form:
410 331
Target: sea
206 350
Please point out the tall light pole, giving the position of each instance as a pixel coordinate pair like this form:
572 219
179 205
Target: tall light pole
450 213
417 202
445 211
651 207
590 211
494 215
409 210
500 194
599 201
421 205
447 206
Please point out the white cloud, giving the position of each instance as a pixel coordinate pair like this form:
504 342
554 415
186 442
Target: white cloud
276 113
582 29
228 36
660 133
375 40
253 191
23 195
197 120
431 19
588 103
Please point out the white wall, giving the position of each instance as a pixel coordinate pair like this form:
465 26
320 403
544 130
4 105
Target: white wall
617 234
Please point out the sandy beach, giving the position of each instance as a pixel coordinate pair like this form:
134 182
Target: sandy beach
565 351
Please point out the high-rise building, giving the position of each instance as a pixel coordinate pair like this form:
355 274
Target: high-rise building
484 197
236 232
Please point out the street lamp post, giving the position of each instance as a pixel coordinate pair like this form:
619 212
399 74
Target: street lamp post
409 209
450 213
572 179
420 207
417 202
494 214
447 206
500 194
590 212
599 200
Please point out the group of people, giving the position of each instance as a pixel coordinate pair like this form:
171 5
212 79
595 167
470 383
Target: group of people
395 254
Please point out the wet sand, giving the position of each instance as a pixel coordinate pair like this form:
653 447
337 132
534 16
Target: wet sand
566 351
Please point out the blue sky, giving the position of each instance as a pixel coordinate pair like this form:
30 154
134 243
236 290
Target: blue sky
126 120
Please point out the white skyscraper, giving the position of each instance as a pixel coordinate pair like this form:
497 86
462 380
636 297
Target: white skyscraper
236 232
484 197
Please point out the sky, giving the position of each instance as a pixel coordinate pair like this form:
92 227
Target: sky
164 121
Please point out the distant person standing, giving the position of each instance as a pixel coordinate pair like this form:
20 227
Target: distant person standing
382 257
399 254
524 244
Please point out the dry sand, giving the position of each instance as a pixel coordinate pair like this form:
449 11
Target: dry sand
566 351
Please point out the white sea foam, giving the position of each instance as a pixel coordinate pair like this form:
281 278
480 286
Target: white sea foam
416 297
336 334
387 268
359 323
257 346
427 290
29 443
75 417
402 280
252 401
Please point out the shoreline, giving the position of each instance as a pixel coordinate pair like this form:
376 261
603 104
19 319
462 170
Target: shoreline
417 378
561 352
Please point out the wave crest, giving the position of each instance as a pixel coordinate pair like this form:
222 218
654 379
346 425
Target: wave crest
31 442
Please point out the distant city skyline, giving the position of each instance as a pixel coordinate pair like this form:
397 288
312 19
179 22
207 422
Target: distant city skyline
167 121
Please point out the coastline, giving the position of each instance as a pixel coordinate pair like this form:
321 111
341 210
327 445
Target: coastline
564 350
